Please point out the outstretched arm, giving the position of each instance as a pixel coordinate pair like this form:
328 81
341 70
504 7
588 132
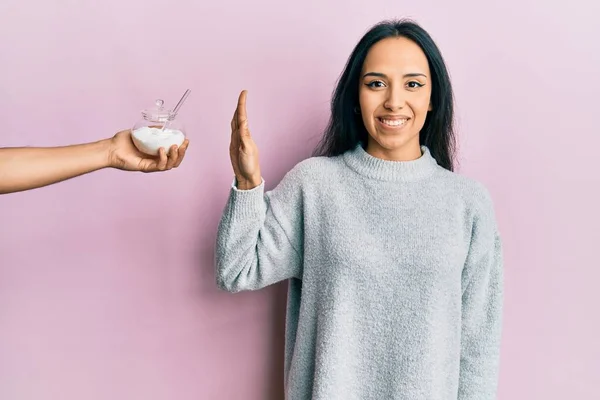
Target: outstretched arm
25 168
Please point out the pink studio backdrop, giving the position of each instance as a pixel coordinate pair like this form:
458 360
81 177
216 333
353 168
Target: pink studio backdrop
106 281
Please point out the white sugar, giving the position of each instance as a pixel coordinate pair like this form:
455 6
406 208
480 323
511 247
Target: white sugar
149 140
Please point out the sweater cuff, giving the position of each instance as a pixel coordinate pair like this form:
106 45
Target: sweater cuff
247 203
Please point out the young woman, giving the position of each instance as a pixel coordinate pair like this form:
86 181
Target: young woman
394 260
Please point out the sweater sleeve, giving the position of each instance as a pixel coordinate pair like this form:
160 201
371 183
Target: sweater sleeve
482 285
260 236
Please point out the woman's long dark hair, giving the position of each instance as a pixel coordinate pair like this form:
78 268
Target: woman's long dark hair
346 129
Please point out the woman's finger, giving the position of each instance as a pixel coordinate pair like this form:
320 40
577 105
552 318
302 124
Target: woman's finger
242 120
234 120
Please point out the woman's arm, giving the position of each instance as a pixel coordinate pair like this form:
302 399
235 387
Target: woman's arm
482 299
259 233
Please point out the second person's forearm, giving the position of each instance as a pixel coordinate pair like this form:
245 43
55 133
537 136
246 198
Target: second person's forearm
26 168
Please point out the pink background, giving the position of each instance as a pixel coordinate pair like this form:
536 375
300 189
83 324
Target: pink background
106 281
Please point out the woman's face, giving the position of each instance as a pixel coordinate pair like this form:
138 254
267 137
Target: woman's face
395 97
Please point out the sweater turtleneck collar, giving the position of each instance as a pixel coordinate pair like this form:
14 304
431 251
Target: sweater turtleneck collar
385 170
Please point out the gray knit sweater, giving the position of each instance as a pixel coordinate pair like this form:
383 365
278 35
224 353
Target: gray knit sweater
395 276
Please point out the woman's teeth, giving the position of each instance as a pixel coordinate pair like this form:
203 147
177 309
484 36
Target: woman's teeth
395 122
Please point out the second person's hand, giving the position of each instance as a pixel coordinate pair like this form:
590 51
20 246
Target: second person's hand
125 156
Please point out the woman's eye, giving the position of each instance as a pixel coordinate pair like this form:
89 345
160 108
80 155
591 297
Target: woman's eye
415 84
375 84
